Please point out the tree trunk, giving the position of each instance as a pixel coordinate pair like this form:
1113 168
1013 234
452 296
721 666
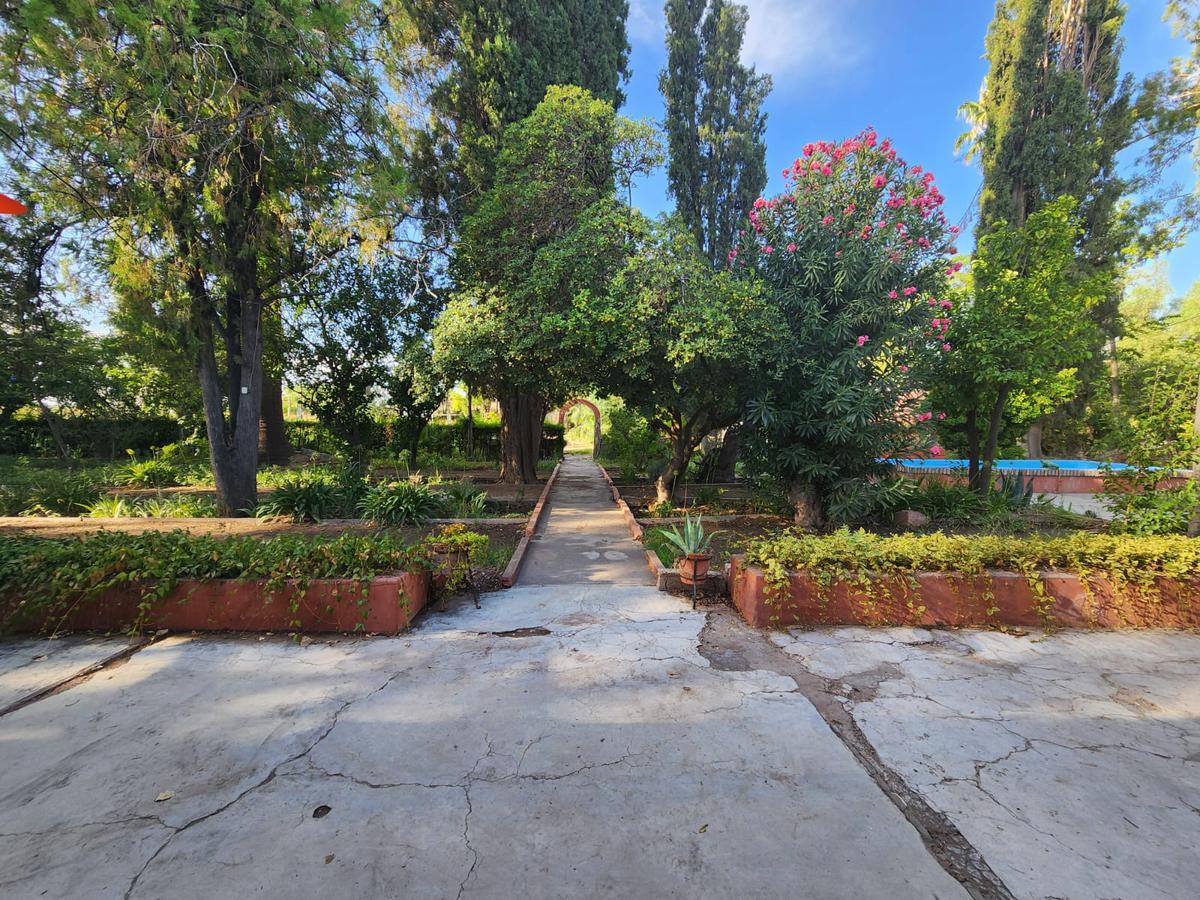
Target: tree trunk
667 483
520 437
727 459
809 510
470 423
55 427
972 431
273 444
1033 440
414 444
993 437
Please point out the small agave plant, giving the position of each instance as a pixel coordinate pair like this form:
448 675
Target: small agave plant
692 544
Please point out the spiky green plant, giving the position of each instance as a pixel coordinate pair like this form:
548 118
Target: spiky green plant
692 539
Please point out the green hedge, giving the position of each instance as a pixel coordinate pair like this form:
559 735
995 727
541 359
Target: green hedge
443 439
88 436
42 577
853 555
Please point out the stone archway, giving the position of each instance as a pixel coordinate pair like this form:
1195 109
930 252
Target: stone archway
580 401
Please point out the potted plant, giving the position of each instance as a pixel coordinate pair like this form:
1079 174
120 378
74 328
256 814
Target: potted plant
451 550
691 544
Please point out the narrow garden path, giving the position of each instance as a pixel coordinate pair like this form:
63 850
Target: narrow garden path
584 539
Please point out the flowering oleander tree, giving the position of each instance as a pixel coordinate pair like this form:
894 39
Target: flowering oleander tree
855 253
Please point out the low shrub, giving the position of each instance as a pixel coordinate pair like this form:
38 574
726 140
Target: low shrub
302 499
157 471
1139 503
400 503
464 500
854 555
50 492
183 507
46 577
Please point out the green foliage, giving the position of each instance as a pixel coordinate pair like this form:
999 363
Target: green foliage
464 500
707 342
854 555
1141 502
494 62
153 472
714 121
179 507
262 128
346 324
42 577
1053 114
532 314
854 257
692 539
88 436
26 491
631 444
1019 333
302 499
400 503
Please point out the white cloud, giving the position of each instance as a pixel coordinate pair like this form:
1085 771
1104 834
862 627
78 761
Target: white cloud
786 38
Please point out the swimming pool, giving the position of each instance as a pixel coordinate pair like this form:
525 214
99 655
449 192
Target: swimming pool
1020 465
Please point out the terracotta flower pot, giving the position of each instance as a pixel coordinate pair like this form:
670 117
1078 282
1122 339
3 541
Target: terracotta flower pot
693 568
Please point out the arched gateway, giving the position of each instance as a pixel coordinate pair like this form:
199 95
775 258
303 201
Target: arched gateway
580 401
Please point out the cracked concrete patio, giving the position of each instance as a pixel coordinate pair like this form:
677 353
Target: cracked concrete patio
599 740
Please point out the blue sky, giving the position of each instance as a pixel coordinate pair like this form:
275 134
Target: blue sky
903 67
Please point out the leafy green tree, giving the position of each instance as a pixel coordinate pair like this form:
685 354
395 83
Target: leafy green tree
1052 117
532 321
853 255
50 362
1019 334
231 121
711 340
495 59
349 321
415 388
715 124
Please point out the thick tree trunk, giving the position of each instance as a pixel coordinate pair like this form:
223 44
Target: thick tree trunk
273 444
727 459
520 437
809 510
667 483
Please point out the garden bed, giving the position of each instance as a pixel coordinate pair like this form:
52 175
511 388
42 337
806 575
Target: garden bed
1083 581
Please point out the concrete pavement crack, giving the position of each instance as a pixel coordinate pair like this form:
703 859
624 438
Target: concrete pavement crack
270 776
728 644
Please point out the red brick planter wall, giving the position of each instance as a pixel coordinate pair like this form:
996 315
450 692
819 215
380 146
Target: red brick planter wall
997 598
329 605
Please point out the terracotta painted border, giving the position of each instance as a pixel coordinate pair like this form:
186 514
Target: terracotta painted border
509 577
327 605
946 598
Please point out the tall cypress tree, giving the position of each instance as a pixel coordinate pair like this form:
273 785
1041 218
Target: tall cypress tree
496 59
1053 114
715 123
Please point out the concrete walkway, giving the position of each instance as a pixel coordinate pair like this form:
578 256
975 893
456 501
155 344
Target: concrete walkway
557 743
584 539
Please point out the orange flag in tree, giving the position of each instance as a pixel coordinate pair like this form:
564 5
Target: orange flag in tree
10 207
